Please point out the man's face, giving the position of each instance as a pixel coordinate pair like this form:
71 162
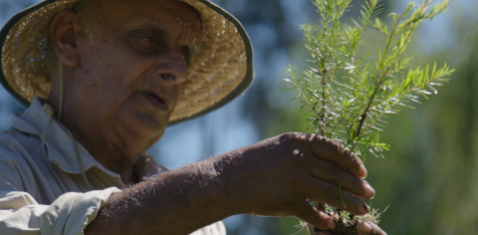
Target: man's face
134 64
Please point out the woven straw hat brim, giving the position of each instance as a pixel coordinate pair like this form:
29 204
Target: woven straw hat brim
222 70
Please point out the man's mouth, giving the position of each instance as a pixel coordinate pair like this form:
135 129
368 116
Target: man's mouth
156 100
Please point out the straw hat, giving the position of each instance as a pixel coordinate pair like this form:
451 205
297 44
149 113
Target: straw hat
221 71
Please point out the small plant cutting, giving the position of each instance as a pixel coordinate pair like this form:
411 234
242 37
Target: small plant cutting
348 93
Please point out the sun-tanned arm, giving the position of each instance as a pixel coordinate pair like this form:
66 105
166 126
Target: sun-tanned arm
176 202
271 178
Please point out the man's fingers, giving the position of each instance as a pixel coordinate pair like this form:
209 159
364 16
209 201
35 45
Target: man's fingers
325 192
334 152
368 228
329 172
311 215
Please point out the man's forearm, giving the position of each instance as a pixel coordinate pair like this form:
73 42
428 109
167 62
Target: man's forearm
274 177
176 202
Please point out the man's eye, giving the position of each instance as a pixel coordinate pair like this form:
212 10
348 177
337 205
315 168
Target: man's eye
149 39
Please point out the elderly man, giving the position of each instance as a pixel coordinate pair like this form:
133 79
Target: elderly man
104 78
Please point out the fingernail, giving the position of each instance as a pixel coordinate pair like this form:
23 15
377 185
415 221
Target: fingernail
364 227
366 208
364 176
369 191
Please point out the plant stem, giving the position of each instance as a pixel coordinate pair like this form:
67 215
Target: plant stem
395 55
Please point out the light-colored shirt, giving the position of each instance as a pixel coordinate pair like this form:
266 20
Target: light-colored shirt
42 189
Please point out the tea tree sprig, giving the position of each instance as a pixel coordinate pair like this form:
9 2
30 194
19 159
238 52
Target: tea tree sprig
348 96
389 65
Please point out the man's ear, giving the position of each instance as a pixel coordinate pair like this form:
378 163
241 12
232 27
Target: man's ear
62 33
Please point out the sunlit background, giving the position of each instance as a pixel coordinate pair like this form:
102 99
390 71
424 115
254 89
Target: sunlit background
429 178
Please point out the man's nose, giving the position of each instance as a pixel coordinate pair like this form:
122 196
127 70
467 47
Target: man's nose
172 68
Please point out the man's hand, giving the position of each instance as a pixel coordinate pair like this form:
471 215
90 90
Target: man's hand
369 228
275 177
364 228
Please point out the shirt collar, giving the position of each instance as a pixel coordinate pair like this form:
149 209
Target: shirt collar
59 143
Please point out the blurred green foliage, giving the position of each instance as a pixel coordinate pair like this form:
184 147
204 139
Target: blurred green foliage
429 178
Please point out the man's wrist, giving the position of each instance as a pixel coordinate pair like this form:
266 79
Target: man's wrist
228 181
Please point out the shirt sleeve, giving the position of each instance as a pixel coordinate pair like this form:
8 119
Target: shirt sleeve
20 213
213 229
67 215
